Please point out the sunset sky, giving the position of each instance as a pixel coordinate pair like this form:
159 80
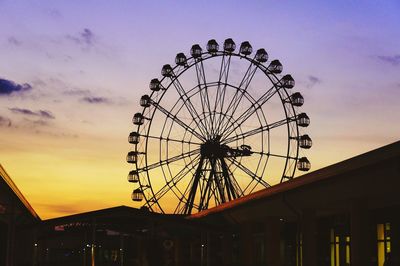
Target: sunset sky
72 73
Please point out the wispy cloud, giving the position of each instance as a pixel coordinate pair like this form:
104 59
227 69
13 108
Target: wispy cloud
40 122
8 87
60 210
53 13
393 60
312 81
96 100
76 92
14 41
5 122
86 38
40 113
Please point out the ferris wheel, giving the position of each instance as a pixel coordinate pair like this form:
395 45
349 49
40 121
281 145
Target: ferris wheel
218 125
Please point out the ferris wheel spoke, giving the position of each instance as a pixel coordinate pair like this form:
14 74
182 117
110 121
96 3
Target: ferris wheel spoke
203 90
222 81
259 130
242 89
173 140
188 104
170 160
272 155
232 187
231 127
183 200
221 182
173 182
178 121
249 172
212 194
223 117
221 88
207 189
192 187
224 68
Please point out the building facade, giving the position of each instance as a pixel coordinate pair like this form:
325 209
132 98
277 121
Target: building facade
344 214
17 220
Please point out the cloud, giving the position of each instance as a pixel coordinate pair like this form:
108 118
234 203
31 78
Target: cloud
14 41
85 37
41 113
393 60
60 210
87 96
46 114
312 81
8 87
78 92
96 100
54 13
40 122
5 122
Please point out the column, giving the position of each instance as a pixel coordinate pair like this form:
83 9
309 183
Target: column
359 235
309 234
273 241
246 244
121 249
93 244
227 247
395 236
10 253
36 247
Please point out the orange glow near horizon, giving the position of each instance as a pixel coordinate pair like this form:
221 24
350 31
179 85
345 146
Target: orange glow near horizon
71 81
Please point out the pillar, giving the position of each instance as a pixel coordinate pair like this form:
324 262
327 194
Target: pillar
395 236
36 247
360 238
246 246
10 252
227 249
273 241
309 236
121 249
93 244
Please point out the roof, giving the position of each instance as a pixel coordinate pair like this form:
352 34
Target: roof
370 158
108 212
11 185
125 216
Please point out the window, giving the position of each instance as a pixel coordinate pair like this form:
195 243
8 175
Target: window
383 238
340 246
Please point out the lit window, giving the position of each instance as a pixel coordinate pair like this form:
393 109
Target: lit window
338 243
383 245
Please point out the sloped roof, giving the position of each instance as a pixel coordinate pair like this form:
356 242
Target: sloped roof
14 189
369 158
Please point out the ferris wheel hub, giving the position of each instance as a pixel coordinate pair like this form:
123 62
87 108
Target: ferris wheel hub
214 149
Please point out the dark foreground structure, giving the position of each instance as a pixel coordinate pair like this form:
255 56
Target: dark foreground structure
344 214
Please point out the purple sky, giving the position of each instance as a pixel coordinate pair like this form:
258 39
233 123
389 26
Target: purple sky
72 72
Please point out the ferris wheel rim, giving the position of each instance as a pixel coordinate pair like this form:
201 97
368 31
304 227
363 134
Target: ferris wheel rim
271 76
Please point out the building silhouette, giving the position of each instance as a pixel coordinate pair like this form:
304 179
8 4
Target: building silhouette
345 214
